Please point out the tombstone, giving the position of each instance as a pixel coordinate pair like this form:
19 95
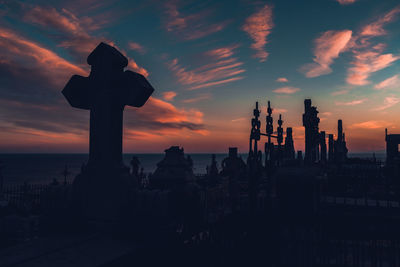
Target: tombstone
102 188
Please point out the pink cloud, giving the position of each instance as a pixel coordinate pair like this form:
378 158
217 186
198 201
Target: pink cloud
191 26
346 2
391 82
282 80
137 47
169 95
286 90
376 28
351 103
389 102
222 69
327 48
258 26
197 98
367 62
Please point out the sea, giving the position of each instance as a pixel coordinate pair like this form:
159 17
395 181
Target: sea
43 168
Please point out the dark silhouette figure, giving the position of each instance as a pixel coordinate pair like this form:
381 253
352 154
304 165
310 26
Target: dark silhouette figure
289 146
310 123
106 92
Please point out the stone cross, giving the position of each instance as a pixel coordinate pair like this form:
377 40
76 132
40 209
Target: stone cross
106 92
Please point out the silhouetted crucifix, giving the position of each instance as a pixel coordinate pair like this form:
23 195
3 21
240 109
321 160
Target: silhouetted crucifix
105 93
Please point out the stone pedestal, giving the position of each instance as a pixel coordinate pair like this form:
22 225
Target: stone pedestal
103 194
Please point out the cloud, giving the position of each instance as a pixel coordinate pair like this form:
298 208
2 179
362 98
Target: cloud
340 92
371 124
286 90
282 80
197 98
367 62
346 2
137 47
222 69
376 28
389 101
239 119
72 32
328 46
369 57
18 53
351 103
391 82
191 26
169 95
258 26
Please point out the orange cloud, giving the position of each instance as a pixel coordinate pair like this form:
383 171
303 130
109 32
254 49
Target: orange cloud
170 95
286 90
327 48
372 125
258 26
16 47
391 82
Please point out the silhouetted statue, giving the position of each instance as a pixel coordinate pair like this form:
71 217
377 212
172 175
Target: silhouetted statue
289 145
65 173
212 170
135 164
310 123
331 153
106 92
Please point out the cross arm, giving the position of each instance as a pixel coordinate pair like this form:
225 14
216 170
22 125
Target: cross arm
76 91
137 89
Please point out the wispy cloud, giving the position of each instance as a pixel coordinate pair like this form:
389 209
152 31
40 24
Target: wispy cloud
376 28
17 49
391 82
282 80
222 69
190 26
368 56
351 103
137 47
340 92
328 46
169 95
346 2
73 32
367 62
372 124
258 26
389 102
197 98
286 90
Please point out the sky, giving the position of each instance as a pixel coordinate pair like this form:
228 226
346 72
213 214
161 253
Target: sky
209 61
